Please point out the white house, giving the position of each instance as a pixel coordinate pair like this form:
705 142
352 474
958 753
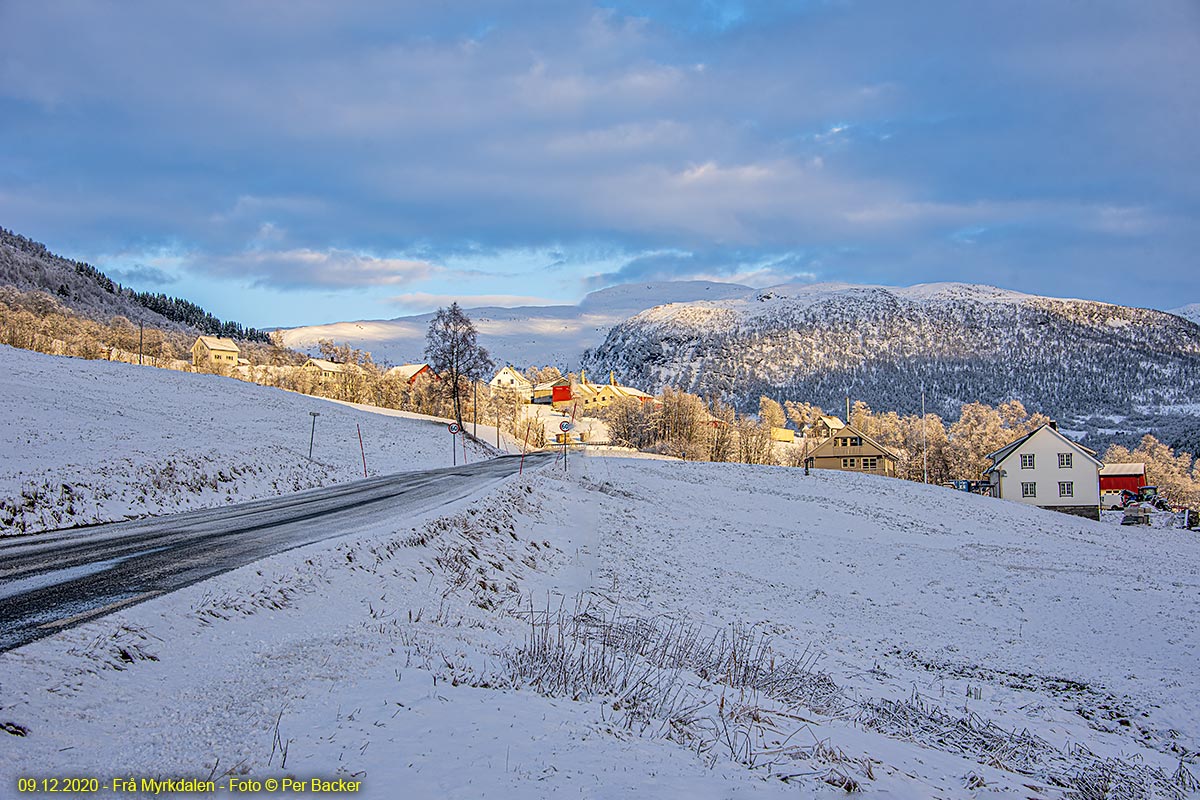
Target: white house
1048 470
509 378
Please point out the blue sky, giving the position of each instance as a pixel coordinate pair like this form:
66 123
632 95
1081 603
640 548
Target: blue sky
302 162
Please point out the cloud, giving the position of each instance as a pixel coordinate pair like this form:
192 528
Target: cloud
422 301
311 269
298 137
142 275
731 266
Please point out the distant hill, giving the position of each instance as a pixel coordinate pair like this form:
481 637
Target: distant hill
1191 312
523 336
27 265
1073 359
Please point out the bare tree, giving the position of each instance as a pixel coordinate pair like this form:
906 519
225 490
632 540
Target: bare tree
454 354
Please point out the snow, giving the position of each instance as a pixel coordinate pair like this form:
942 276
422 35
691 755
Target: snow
906 639
97 441
1189 312
524 336
388 657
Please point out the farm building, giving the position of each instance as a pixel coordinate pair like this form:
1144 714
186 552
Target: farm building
329 369
851 450
215 351
1115 477
409 372
825 427
1046 469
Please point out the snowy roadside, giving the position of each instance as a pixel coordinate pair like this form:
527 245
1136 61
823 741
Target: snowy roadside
641 627
95 441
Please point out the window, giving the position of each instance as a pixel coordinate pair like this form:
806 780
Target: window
1066 488
870 463
1065 461
849 463
1029 489
854 441
1027 461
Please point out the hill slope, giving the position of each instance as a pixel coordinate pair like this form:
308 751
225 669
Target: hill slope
27 266
97 441
523 336
964 342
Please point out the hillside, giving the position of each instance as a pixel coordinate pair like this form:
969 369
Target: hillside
28 266
640 628
97 441
526 335
1067 358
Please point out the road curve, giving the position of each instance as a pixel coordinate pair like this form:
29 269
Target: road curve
51 581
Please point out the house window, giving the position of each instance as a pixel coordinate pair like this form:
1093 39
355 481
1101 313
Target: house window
1065 461
1029 489
870 463
847 463
1027 462
1066 488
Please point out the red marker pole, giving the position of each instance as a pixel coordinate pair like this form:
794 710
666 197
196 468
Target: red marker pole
362 449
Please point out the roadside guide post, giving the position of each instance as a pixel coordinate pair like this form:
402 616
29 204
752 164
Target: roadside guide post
362 449
313 435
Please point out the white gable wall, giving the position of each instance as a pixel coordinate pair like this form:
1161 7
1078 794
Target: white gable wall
1044 446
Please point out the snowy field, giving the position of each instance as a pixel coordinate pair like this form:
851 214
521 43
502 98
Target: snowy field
97 441
639 627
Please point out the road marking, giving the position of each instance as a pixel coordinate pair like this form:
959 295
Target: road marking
59 623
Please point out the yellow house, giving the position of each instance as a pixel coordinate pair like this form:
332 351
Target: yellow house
852 450
329 369
214 351
595 397
782 434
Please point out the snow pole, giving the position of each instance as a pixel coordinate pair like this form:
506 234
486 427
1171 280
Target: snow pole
521 469
464 443
362 449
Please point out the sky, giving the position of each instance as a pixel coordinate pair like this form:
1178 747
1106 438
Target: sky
288 163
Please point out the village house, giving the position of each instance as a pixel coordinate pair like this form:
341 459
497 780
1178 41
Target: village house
1046 469
409 372
593 397
215 351
509 378
825 427
329 369
555 391
851 450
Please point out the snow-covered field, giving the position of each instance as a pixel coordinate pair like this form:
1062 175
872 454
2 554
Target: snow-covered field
638 627
97 441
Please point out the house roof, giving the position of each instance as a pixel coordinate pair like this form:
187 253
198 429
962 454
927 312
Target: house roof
514 373
406 371
217 343
855 432
330 366
832 422
1124 468
551 384
1003 453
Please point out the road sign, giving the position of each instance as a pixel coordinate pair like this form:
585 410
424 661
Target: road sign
565 426
453 428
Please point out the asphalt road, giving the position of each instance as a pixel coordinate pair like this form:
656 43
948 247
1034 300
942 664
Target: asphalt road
51 581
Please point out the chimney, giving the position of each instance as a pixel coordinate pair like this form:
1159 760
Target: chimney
1053 425
612 377
583 377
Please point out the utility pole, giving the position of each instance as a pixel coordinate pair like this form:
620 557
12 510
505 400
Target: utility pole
924 441
141 329
313 435
475 411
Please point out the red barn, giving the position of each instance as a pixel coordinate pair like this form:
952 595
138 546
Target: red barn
1115 477
560 394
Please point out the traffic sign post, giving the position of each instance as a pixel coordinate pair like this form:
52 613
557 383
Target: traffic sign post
454 429
565 426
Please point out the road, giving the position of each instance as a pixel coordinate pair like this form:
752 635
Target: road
51 581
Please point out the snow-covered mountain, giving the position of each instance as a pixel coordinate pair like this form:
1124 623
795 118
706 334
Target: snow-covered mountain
964 342
525 335
1190 311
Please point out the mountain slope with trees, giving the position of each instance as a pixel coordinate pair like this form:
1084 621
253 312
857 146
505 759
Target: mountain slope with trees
28 266
1089 362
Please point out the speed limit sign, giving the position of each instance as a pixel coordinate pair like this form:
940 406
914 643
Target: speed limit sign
453 428
565 426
